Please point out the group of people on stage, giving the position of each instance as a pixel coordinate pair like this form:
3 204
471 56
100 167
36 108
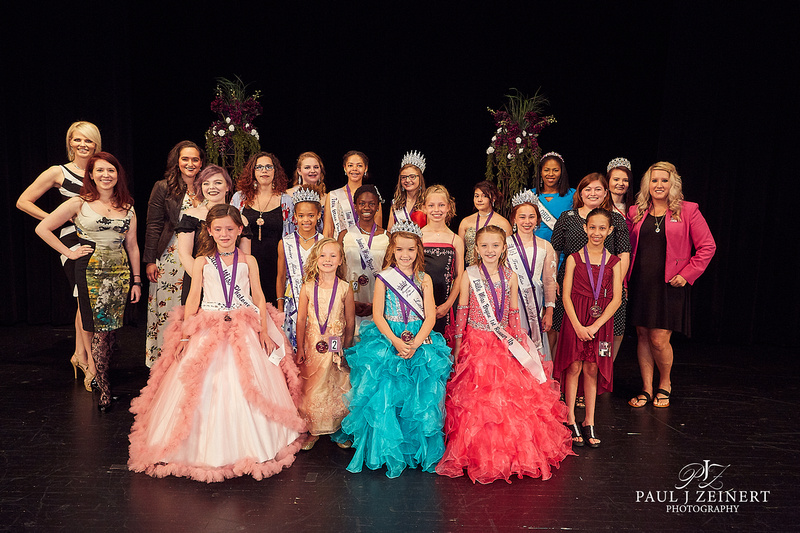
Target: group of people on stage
280 312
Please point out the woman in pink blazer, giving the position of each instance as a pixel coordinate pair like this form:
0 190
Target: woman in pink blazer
664 229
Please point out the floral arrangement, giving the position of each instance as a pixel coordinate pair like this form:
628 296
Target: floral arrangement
233 137
514 152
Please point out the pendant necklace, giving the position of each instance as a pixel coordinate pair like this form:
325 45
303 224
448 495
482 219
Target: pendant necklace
659 222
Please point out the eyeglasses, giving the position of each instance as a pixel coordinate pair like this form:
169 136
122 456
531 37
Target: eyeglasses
409 177
264 167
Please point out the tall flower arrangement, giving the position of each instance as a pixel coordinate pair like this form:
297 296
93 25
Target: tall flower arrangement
513 154
233 137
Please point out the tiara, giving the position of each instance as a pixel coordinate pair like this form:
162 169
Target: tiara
407 226
415 158
551 154
305 195
524 197
619 162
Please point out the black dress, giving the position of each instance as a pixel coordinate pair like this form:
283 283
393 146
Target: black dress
569 237
440 265
264 246
655 303
189 224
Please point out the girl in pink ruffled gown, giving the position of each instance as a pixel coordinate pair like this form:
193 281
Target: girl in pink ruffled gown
217 404
502 419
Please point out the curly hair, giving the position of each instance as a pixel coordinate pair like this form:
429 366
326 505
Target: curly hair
389 259
400 194
320 185
675 198
451 204
176 186
312 269
247 183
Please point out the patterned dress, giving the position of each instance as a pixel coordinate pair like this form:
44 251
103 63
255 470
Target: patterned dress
70 186
440 265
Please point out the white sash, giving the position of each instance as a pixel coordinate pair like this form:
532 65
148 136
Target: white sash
400 285
400 215
547 217
516 261
292 255
520 352
340 211
363 249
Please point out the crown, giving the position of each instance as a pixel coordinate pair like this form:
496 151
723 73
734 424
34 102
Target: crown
551 154
407 226
305 195
415 158
619 162
524 197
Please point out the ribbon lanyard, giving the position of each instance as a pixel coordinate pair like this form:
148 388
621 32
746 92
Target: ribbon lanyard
299 251
490 283
324 326
478 219
528 268
369 243
595 288
352 206
226 292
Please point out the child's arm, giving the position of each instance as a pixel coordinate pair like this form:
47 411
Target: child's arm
280 281
455 288
430 317
461 315
391 219
349 317
261 302
327 223
195 289
378 302
612 307
302 313
549 269
581 331
185 246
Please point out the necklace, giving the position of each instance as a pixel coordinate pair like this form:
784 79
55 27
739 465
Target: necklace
260 219
226 254
79 168
659 222
309 238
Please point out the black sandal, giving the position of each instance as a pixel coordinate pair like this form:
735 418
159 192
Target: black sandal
576 434
636 399
665 394
590 434
580 402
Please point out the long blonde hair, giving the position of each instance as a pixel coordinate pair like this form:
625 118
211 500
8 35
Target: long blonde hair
477 260
675 198
389 259
312 269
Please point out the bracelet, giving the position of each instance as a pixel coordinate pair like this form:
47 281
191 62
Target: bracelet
280 298
458 335
137 283
137 276
185 340
462 307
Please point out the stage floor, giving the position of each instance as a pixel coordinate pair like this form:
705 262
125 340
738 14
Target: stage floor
732 424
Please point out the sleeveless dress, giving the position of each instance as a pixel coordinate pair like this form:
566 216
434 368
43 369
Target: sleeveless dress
103 277
396 405
555 205
70 186
324 382
500 420
220 409
339 222
469 246
264 246
570 348
363 293
440 265
164 294
290 302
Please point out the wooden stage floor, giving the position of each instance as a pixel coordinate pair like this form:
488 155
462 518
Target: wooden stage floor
732 424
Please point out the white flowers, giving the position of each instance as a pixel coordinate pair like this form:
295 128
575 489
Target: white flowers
490 150
254 133
499 130
494 138
524 133
509 155
231 127
521 150
221 133
519 140
228 120
247 126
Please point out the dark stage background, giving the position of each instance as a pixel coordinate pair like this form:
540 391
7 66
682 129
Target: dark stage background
710 87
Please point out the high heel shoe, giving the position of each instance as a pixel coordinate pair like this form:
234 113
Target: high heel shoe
87 380
77 364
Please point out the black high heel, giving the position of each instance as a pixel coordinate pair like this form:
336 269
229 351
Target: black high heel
576 434
589 433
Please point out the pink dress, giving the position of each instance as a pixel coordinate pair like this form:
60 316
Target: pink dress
569 347
500 421
220 409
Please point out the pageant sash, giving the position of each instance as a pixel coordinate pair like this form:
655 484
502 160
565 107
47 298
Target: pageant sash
294 264
341 211
363 249
527 290
404 289
520 352
401 215
547 217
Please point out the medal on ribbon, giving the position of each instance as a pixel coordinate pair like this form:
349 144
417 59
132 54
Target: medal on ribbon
595 310
227 292
322 346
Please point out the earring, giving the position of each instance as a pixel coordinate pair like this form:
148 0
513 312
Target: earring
255 184
514 228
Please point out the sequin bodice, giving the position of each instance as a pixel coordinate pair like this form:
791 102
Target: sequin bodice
476 318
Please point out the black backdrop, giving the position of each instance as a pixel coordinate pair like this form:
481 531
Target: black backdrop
708 87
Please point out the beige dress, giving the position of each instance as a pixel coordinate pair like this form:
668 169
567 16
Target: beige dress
363 293
324 382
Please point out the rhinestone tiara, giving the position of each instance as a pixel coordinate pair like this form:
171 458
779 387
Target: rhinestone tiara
524 197
619 162
553 154
305 195
407 226
414 157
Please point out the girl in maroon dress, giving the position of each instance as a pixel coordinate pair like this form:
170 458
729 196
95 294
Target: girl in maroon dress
592 293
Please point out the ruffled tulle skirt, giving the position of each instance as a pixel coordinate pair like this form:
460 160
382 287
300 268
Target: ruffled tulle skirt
220 409
396 405
500 420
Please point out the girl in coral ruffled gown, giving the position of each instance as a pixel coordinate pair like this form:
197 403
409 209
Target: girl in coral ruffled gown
504 415
217 404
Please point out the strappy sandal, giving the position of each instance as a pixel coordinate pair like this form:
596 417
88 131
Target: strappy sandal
580 402
589 433
636 399
576 434
665 394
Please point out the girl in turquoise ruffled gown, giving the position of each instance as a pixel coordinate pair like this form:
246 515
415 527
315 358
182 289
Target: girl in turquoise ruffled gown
400 368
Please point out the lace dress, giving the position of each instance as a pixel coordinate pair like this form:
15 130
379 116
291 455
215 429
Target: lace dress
396 405
221 408
500 420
